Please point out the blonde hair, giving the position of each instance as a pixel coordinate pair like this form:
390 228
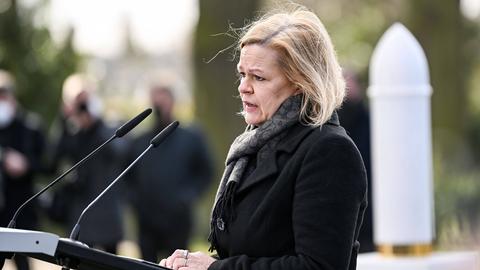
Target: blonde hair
306 56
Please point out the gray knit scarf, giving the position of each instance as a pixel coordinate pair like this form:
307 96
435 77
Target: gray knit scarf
255 140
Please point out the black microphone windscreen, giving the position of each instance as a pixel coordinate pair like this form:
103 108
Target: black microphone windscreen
125 128
164 134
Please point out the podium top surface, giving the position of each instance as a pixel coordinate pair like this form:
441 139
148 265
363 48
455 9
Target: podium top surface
89 258
24 241
50 248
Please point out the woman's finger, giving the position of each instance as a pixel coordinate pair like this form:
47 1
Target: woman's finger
179 262
179 253
163 263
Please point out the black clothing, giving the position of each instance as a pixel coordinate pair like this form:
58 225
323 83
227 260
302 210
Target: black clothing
355 118
164 187
300 210
155 243
24 135
255 141
102 225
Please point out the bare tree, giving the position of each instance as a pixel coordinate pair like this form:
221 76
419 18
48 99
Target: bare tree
441 30
215 81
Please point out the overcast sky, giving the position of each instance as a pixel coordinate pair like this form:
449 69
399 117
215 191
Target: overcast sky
99 26
156 25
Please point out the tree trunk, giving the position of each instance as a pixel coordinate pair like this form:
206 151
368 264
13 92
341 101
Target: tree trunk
215 89
438 27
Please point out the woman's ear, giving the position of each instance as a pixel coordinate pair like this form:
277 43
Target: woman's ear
298 88
297 91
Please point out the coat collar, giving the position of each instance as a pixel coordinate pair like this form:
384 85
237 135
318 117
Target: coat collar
292 140
299 131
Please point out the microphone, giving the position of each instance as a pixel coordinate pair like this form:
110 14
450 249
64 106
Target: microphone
156 141
125 128
120 132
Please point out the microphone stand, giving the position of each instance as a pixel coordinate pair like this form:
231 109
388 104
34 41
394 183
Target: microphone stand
160 137
120 132
12 222
76 230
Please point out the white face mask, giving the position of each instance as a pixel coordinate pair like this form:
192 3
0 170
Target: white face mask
7 113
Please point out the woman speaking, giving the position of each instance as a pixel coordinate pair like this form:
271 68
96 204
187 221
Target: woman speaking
293 192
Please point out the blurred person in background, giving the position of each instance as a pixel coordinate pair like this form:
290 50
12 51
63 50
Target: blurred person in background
22 144
82 129
355 118
166 185
293 192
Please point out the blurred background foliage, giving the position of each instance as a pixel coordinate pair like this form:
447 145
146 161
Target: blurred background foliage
28 51
450 40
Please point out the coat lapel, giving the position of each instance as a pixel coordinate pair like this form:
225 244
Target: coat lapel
269 166
288 145
263 171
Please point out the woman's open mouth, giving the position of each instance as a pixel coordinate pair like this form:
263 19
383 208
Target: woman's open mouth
249 107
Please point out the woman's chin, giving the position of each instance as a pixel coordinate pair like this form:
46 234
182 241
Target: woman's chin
249 120
253 122
253 118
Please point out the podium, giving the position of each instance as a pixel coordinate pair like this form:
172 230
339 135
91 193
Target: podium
50 248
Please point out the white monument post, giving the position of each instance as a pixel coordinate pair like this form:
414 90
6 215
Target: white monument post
399 95
401 142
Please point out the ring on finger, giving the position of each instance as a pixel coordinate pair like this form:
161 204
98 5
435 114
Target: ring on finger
185 254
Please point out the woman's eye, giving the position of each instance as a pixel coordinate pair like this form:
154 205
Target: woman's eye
258 78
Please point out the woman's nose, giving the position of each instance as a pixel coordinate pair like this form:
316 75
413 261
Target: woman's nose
244 87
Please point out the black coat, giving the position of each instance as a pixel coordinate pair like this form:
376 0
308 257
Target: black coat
102 225
25 135
355 118
301 210
169 180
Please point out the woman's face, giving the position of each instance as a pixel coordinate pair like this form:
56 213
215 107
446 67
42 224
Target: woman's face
263 86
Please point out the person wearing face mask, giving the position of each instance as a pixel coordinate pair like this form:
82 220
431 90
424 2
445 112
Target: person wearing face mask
167 183
82 130
22 144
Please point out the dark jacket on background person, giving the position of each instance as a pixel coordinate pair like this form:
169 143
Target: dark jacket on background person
167 182
102 225
23 134
301 210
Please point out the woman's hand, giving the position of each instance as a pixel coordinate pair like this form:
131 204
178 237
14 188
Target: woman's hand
184 260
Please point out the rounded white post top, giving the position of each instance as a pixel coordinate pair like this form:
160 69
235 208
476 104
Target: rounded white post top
402 171
398 61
